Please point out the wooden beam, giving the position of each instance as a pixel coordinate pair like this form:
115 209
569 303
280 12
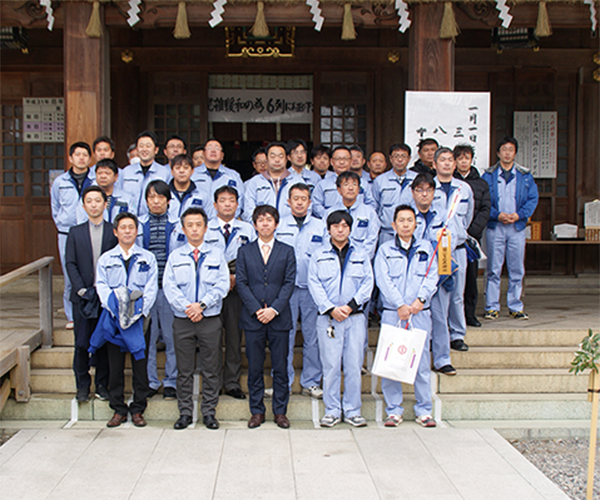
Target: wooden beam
4 393
86 77
19 375
431 60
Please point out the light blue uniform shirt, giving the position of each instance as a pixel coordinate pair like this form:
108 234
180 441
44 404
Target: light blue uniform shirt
142 275
120 202
400 274
428 224
186 283
365 226
461 220
65 199
261 191
224 177
305 241
389 192
331 286
326 195
310 178
240 233
132 181
507 192
197 198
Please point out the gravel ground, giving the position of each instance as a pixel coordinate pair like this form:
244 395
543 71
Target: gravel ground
564 461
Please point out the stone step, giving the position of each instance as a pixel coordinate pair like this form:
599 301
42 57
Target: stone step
479 337
513 357
456 407
62 381
58 407
514 381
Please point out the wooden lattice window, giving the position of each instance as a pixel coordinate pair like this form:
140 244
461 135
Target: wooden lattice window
344 124
177 119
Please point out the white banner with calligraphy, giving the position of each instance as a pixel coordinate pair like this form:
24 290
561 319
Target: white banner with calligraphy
536 132
450 118
260 105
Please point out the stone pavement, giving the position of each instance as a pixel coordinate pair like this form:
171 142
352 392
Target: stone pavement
156 462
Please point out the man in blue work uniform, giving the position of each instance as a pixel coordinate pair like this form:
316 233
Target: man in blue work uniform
357 165
212 174
365 227
326 196
184 192
447 307
195 282
65 198
103 148
126 265
320 160
161 234
296 155
272 186
135 177
305 234
229 234
174 146
340 281
514 197
407 284
392 188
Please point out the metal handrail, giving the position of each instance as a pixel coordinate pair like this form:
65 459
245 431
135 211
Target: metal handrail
44 266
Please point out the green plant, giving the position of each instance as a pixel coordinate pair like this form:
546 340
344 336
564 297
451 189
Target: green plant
588 354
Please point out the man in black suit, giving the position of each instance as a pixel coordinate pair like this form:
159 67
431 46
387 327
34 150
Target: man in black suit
265 277
85 243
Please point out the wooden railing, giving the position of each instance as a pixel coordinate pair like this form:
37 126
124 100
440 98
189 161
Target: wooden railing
44 266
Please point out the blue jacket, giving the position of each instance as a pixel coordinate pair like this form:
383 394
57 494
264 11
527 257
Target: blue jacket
463 216
109 329
224 177
240 234
194 197
270 284
365 226
261 191
305 241
527 195
388 193
142 276
65 199
326 195
331 286
132 181
309 177
184 283
400 275
174 234
120 202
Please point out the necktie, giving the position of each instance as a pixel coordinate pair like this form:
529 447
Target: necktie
196 255
265 251
226 232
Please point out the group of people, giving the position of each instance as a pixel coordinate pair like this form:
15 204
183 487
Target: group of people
191 256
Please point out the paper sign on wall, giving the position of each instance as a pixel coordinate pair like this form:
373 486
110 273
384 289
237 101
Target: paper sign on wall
536 132
43 119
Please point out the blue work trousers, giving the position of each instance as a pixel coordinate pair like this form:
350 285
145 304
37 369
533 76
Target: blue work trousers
344 351
67 304
457 323
162 321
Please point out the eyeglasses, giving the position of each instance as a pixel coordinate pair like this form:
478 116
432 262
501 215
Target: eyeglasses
342 158
399 156
298 153
424 191
213 148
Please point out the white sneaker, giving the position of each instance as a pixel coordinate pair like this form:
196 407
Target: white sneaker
356 420
425 421
330 421
70 325
269 393
314 392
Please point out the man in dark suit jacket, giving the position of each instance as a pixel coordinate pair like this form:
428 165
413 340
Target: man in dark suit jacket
85 243
265 277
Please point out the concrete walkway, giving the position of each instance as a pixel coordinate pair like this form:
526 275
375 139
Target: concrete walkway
268 463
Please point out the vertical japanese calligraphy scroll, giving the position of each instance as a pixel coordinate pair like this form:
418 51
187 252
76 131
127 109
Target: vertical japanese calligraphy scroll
536 132
450 118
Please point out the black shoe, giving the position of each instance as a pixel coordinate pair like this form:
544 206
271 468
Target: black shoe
151 393
83 395
182 422
210 422
473 322
459 345
236 393
102 393
169 393
447 370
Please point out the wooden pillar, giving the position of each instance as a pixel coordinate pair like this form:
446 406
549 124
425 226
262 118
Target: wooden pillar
86 77
431 60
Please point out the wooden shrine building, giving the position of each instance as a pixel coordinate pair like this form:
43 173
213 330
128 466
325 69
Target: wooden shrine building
120 70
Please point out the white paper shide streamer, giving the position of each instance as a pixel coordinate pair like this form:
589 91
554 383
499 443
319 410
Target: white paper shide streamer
592 13
49 12
403 21
134 10
216 17
315 10
504 15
